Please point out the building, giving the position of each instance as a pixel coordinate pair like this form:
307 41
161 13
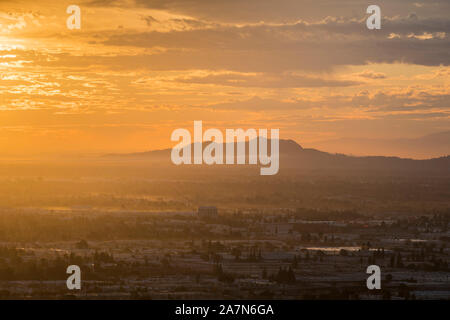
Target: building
207 212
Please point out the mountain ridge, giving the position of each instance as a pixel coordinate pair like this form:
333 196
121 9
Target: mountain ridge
424 147
293 155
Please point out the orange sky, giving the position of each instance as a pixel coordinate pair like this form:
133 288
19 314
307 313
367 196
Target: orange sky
137 70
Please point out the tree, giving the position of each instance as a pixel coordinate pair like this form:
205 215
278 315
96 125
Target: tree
389 277
399 262
236 252
295 262
82 245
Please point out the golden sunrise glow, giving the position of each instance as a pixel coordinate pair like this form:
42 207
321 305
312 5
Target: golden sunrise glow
134 73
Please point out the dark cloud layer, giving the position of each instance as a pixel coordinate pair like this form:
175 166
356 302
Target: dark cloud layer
299 46
283 10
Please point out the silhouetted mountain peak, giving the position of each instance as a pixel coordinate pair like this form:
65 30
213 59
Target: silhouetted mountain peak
294 156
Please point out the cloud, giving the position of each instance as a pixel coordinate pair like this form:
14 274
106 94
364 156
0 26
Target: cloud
266 80
149 20
322 45
255 104
369 74
188 35
403 100
428 36
277 11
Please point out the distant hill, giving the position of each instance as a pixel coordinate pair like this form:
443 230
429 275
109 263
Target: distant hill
292 155
432 145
